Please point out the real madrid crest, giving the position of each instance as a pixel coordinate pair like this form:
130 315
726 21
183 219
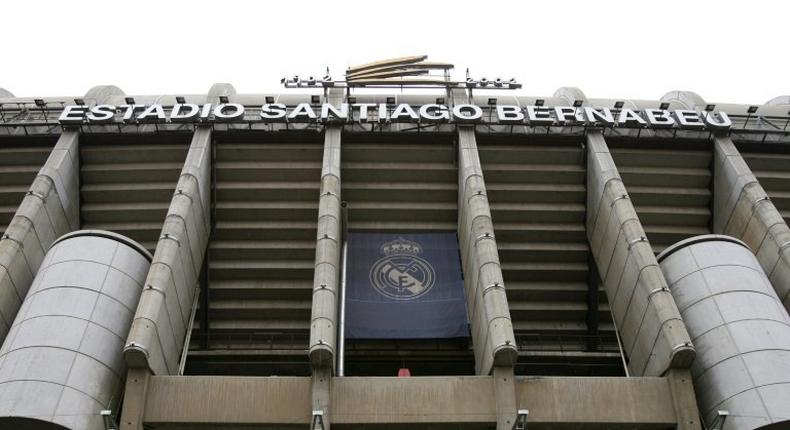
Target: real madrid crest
401 274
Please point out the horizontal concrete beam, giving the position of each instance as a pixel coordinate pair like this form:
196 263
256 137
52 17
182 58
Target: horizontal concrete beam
463 401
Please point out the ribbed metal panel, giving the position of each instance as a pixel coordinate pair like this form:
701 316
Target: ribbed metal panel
126 188
18 168
402 185
773 172
261 255
537 195
670 189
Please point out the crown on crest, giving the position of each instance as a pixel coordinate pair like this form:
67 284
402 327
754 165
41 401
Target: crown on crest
401 246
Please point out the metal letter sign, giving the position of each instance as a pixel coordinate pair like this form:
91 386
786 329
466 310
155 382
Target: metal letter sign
347 113
406 286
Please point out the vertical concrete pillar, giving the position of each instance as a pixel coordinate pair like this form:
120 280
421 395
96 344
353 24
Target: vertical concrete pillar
654 336
489 315
323 326
505 397
158 333
683 399
321 389
49 210
743 210
134 399
326 276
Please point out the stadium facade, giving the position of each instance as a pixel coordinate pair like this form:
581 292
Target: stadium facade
177 261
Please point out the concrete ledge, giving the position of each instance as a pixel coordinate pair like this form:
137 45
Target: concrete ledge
463 401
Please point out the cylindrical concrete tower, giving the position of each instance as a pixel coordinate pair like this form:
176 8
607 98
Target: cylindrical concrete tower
739 327
62 361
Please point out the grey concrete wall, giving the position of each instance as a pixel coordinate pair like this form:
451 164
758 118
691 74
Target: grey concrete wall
742 209
739 326
49 209
489 315
159 330
62 360
458 402
326 278
653 334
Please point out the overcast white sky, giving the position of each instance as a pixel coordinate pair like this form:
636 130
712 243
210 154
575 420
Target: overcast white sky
726 51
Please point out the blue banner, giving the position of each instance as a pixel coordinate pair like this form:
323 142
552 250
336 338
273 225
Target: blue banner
404 286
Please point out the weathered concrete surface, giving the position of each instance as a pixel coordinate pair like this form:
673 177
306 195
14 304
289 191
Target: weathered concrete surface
424 400
460 401
742 209
654 336
607 402
227 400
103 94
49 210
158 334
741 328
489 314
62 360
683 100
134 399
504 396
683 399
326 278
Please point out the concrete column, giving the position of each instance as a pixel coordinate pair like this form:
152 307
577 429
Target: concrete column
654 336
742 209
489 315
61 363
158 333
321 390
504 396
323 324
326 276
741 328
49 210
134 399
683 399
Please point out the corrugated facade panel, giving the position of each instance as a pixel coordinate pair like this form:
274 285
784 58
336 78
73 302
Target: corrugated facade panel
773 172
127 188
262 250
18 167
400 186
670 190
538 196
